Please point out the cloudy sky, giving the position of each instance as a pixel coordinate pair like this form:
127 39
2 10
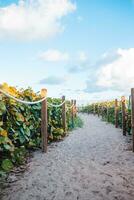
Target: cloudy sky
81 48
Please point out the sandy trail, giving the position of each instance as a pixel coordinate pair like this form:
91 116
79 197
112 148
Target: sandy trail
91 164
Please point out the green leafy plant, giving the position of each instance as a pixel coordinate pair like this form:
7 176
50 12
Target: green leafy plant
7 165
20 125
107 111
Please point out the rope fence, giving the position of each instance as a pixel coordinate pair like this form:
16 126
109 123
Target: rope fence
120 108
44 113
22 101
56 106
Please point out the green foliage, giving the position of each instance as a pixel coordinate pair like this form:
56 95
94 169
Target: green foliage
107 111
7 165
18 156
20 125
78 122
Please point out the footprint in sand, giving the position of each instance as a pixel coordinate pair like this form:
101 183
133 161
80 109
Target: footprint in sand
106 163
108 189
95 192
68 194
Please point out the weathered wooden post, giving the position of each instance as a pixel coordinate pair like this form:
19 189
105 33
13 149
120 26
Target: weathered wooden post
129 101
72 113
132 116
98 110
64 114
123 106
116 113
94 108
107 112
102 111
75 109
44 122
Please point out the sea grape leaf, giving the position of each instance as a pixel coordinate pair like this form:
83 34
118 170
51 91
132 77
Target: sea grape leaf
7 165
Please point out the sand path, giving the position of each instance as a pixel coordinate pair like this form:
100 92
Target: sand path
91 164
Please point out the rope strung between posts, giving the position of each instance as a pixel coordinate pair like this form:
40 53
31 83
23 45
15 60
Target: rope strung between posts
31 103
44 113
56 106
69 107
22 101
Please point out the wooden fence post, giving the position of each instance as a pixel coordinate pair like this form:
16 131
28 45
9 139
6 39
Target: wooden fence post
98 110
123 103
75 108
64 114
102 111
72 113
129 102
116 113
132 116
107 113
94 109
44 126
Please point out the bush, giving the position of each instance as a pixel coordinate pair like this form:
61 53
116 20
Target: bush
20 125
107 111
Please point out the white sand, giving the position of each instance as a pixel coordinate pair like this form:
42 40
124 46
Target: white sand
91 164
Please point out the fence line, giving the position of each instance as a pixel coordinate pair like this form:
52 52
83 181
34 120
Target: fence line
132 115
56 106
123 102
44 113
22 101
98 109
30 102
64 114
116 113
69 107
44 125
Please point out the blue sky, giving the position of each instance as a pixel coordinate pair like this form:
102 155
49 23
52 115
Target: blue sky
83 48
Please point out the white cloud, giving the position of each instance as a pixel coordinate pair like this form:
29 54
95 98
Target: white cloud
34 19
54 55
119 74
